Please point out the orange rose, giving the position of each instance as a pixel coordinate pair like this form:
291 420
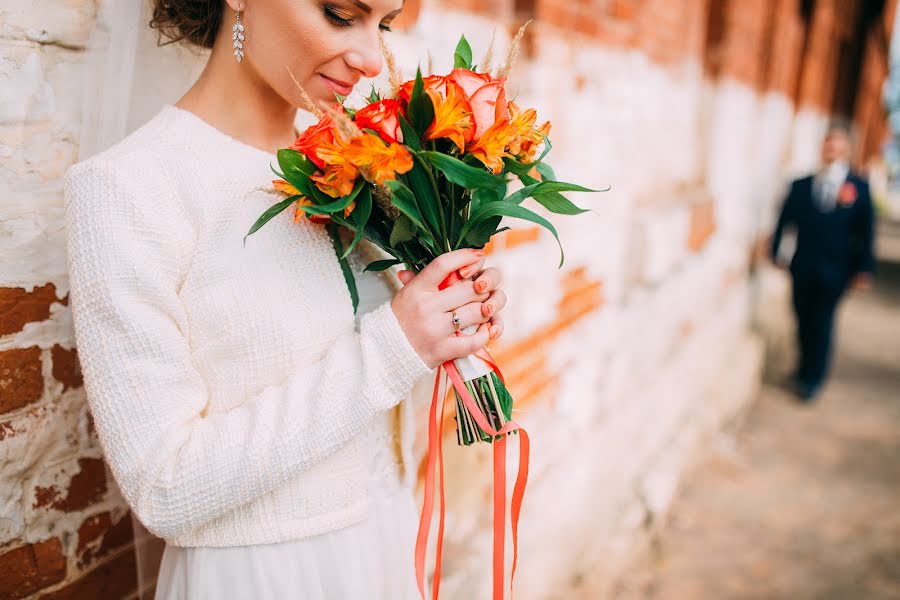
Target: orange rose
382 117
469 81
314 137
432 82
488 106
486 96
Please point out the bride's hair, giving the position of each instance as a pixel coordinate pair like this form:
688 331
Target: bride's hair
187 20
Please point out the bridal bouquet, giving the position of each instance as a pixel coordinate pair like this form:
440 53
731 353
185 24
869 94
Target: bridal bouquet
422 171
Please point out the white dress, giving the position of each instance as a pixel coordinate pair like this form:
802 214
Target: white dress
370 560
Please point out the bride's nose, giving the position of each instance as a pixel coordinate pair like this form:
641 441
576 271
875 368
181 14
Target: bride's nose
367 60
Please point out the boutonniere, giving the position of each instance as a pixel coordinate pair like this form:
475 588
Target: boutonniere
847 194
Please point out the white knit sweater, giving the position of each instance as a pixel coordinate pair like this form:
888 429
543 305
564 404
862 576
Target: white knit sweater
229 389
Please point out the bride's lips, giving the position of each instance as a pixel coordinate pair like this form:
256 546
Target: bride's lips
336 86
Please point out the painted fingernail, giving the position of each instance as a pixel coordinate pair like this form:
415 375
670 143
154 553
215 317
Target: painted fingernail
479 253
465 272
480 286
489 308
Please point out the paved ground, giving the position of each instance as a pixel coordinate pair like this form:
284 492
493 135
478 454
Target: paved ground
804 502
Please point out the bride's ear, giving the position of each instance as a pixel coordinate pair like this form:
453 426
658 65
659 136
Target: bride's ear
236 5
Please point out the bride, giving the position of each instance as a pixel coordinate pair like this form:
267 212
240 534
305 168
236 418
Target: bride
249 418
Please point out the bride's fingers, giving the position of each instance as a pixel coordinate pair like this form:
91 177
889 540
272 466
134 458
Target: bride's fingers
488 280
470 314
405 276
494 304
472 269
496 327
460 294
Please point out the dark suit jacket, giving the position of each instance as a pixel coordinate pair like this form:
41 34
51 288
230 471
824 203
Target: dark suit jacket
832 246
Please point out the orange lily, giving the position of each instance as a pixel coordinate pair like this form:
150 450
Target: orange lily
452 117
378 160
491 147
285 187
319 219
527 137
340 173
432 82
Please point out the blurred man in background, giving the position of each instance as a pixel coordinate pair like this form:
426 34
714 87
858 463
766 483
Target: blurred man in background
834 220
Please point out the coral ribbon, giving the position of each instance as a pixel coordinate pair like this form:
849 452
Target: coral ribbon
436 460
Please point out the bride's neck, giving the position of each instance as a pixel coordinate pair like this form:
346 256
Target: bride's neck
232 98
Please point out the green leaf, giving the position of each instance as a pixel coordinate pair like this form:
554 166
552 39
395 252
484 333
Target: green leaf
382 265
508 209
337 205
462 58
462 174
424 188
482 196
554 203
280 175
360 216
479 235
410 137
546 172
267 216
402 231
308 188
345 266
295 165
403 198
420 108
374 95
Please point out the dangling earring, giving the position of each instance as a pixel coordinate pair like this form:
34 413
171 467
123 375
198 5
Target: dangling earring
237 37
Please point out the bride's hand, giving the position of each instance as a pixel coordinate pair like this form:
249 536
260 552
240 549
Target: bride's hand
425 313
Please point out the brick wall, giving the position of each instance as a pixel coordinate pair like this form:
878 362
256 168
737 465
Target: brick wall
695 111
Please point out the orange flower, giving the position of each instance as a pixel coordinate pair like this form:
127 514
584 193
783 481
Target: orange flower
285 188
452 117
527 137
379 161
489 106
486 96
337 181
469 81
491 147
340 174
530 144
432 82
309 141
382 117
300 214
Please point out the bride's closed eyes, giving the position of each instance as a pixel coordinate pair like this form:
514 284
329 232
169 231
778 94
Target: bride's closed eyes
342 18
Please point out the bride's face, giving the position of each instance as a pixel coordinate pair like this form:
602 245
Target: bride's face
327 44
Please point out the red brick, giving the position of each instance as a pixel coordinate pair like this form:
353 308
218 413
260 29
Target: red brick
19 307
110 536
115 578
28 569
66 368
21 381
86 488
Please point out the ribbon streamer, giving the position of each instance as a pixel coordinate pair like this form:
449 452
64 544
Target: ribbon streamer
436 462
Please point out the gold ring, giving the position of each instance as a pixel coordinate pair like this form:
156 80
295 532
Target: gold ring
455 322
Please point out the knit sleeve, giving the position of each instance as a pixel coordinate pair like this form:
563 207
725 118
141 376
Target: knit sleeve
178 469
